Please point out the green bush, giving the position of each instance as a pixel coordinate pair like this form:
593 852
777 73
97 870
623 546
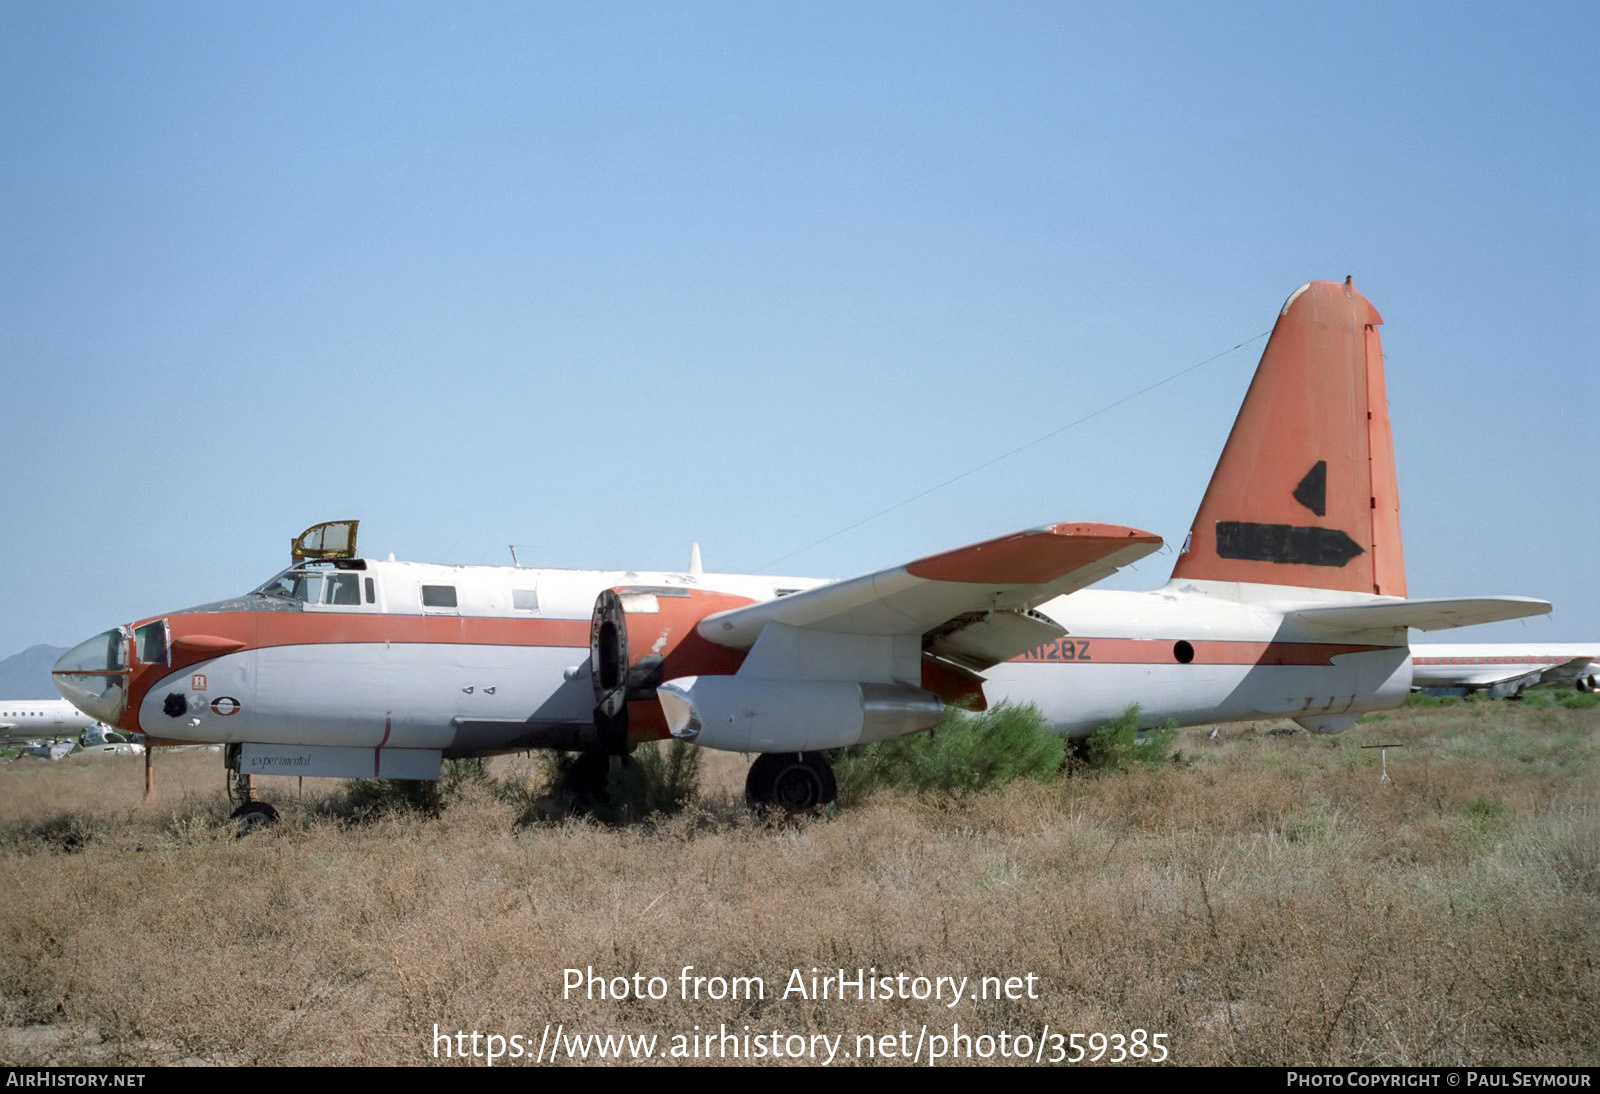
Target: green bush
657 778
964 753
1423 699
1119 745
1581 700
366 798
1485 809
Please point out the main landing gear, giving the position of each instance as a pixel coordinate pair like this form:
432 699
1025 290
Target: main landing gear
795 782
588 775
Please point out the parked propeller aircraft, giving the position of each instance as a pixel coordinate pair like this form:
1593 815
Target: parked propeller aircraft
1505 670
1288 599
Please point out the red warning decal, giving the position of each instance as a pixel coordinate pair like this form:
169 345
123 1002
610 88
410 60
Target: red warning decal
225 705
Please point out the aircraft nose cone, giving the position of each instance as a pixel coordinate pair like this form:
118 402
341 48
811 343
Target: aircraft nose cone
93 676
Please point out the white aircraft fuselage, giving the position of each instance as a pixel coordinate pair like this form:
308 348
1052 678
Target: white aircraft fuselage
1507 668
482 676
40 719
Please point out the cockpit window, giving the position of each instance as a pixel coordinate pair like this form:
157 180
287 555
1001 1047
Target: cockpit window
314 586
344 589
289 585
150 643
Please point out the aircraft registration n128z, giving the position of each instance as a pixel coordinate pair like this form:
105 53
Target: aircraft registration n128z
1288 600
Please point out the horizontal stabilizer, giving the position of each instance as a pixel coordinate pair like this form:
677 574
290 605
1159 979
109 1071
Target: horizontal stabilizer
1424 615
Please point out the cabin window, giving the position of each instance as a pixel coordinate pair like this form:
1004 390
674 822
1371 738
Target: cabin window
150 643
525 600
370 596
438 596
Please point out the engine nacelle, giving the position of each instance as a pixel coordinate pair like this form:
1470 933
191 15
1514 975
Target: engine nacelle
746 714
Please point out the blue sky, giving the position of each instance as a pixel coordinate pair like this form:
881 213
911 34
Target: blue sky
602 279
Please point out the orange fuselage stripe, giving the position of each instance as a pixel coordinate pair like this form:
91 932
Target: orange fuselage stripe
1160 651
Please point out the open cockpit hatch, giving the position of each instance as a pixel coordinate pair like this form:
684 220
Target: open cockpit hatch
329 540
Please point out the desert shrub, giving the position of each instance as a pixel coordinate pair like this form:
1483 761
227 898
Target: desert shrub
658 778
964 753
1536 700
367 798
1581 700
1486 809
1119 745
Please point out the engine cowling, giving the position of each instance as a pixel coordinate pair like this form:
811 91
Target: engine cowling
637 635
743 714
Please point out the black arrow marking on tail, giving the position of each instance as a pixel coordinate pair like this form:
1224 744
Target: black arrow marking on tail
1284 543
1313 489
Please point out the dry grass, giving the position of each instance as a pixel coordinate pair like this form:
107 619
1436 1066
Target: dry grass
1266 901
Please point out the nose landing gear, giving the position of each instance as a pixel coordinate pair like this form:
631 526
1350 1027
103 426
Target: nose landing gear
250 813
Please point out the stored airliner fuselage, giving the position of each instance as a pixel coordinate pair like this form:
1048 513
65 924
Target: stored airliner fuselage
1506 669
40 719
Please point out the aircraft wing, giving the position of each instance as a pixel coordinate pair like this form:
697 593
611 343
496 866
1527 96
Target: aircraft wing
971 605
1567 673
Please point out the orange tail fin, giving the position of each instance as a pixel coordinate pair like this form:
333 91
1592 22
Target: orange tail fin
1305 491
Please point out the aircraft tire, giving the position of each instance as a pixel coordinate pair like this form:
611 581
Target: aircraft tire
794 782
253 815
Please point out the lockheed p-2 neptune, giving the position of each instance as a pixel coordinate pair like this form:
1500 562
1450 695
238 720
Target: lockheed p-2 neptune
1287 600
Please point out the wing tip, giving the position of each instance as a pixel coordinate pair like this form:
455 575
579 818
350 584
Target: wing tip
1032 557
1094 530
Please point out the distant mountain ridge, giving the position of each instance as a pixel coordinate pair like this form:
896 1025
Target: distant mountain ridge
26 675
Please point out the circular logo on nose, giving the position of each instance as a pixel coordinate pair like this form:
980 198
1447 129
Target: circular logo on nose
225 705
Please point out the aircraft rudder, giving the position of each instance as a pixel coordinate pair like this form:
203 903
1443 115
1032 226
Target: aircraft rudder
1304 493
